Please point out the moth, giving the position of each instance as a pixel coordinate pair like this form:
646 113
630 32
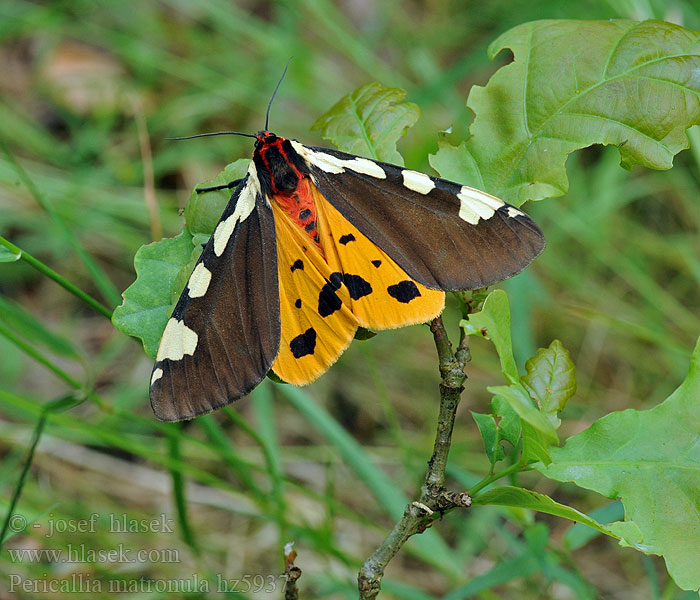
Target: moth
313 244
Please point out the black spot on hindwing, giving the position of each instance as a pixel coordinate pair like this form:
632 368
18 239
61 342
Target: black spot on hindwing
303 344
347 238
298 264
357 286
404 291
298 303
328 301
336 280
376 263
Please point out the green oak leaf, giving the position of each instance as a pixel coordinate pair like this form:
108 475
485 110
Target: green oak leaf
203 211
362 334
521 403
536 444
493 322
509 425
521 498
200 239
489 435
573 84
149 301
503 424
369 121
651 460
551 379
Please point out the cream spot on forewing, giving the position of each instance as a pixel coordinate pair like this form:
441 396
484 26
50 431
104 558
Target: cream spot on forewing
514 212
328 163
157 374
199 281
325 162
486 199
475 204
178 340
244 206
222 234
467 214
253 182
332 164
365 166
418 182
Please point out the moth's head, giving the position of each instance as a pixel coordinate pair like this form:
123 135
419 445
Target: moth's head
264 138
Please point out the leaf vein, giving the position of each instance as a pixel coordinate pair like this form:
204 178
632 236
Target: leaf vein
518 159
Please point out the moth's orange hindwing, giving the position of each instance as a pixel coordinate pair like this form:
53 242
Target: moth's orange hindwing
315 314
382 295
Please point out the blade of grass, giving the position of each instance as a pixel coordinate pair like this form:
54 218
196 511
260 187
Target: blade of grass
59 279
342 36
39 357
579 535
62 403
508 570
222 444
650 570
263 409
179 495
120 435
117 437
149 191
98 275
387 407
429 546
60 373
21 321
386 493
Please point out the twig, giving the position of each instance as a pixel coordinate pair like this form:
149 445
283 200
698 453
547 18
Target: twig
291 573
434 497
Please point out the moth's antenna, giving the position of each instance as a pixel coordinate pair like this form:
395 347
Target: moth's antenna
267 115
189 137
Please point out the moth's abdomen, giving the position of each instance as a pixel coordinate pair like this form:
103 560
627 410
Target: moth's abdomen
301 208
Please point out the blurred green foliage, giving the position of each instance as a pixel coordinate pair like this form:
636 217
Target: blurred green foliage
89 92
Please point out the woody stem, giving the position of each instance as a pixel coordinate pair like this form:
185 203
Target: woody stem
434 497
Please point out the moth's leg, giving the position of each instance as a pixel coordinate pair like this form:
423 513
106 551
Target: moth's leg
229 186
